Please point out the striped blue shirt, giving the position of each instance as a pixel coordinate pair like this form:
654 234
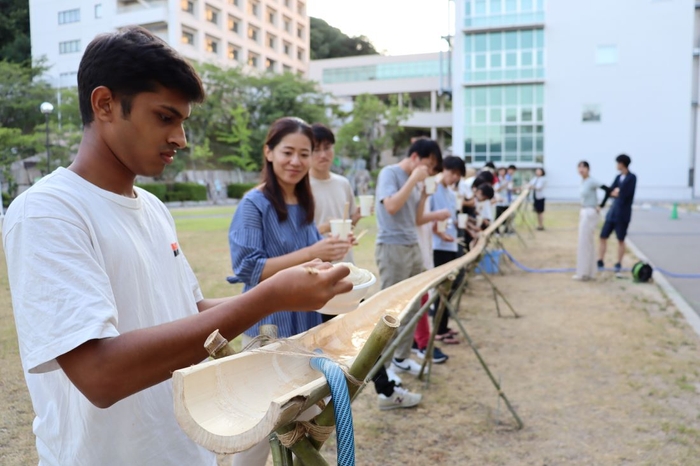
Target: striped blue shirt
255 235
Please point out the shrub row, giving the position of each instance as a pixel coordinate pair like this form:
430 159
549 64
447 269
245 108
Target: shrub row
238 190
176 192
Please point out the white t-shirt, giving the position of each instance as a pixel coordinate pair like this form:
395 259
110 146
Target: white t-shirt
538 184
330 197
83 264
484 209
465 187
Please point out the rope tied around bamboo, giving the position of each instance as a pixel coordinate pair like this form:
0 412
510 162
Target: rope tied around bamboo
302 429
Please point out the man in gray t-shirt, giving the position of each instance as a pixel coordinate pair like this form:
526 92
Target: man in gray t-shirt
399 209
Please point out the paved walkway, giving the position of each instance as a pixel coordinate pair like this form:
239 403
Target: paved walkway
673 245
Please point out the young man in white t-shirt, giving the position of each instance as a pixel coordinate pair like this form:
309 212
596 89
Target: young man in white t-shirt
106 306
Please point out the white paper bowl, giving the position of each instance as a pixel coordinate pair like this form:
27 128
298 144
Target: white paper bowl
348 302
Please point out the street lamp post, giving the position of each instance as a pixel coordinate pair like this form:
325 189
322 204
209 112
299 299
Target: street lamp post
46 108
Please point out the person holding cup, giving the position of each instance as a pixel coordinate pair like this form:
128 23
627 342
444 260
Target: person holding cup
332 192
273 227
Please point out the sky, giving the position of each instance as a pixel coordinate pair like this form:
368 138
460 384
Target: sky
395 27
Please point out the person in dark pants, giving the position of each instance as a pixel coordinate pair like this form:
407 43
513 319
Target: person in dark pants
537 185
620 214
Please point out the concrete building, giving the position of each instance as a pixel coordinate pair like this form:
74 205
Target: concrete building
552 83
257 34
422 78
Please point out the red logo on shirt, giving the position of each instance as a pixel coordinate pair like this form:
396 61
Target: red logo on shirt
175 248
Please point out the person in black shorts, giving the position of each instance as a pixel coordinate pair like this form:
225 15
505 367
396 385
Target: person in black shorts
620 214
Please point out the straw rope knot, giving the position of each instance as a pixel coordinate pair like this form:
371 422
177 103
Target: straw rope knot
301 429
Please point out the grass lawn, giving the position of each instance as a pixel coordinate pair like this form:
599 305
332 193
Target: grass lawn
602 373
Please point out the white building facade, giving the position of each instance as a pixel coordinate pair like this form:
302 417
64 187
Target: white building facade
550 83
260 35
418 81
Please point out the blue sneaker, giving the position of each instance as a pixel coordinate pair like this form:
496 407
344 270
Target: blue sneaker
438 356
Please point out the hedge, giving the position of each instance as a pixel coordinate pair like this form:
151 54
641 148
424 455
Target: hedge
238 190
176 192
157 189
6 200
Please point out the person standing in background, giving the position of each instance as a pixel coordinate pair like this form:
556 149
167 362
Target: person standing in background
331 191
620 214
588 221
538 184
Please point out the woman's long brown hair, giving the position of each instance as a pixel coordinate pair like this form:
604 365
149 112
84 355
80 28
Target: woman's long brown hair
271 187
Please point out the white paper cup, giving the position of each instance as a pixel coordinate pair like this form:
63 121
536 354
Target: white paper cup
366 205
430 185
442 226
462 220
341 228
458 200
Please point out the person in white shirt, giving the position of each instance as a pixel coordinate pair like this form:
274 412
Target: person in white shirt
106 305
331 191
538 184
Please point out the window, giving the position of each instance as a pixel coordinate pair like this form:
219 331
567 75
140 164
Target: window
300 32
485 13
504 123
270 65
233 52
70 46
286 68
253 33
504 56
591 113
301 8
271 16
271 41
212 45
234 24
253 59
382 71
288 24
69 16
301 54
212 15
98 11
234 2
288 49
67 77
254 8
606 55
288 3
188 6
188 37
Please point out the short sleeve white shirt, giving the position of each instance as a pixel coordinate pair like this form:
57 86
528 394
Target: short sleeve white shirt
83 264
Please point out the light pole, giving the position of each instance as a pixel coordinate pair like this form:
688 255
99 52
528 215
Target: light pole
46 108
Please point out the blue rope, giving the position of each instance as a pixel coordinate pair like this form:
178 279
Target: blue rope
690 276
344 431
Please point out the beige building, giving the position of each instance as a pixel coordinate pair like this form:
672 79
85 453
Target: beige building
262 35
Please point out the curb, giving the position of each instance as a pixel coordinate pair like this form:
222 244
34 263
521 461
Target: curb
688 312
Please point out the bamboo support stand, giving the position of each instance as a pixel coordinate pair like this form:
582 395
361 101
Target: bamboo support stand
455 318
496 294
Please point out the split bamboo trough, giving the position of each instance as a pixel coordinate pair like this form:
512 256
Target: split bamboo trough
229 405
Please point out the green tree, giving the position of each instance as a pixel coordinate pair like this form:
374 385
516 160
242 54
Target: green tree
21 94
330 42
238 139
372 127
15 45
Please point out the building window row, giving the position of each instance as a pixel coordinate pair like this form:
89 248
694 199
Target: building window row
70 46
504 123
69 16
233 52
385 71
213 15
504 56
489 13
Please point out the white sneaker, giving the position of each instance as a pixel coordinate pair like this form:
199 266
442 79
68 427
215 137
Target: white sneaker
407 365
401 398
393 376
581 278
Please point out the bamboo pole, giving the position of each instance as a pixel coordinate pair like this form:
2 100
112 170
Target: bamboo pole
361 367
496 294
495 383
304 450
217 346
428 359
280 455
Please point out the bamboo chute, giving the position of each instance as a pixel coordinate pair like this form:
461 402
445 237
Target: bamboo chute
230 404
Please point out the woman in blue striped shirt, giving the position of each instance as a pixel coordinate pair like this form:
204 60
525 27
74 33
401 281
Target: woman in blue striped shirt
273 226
